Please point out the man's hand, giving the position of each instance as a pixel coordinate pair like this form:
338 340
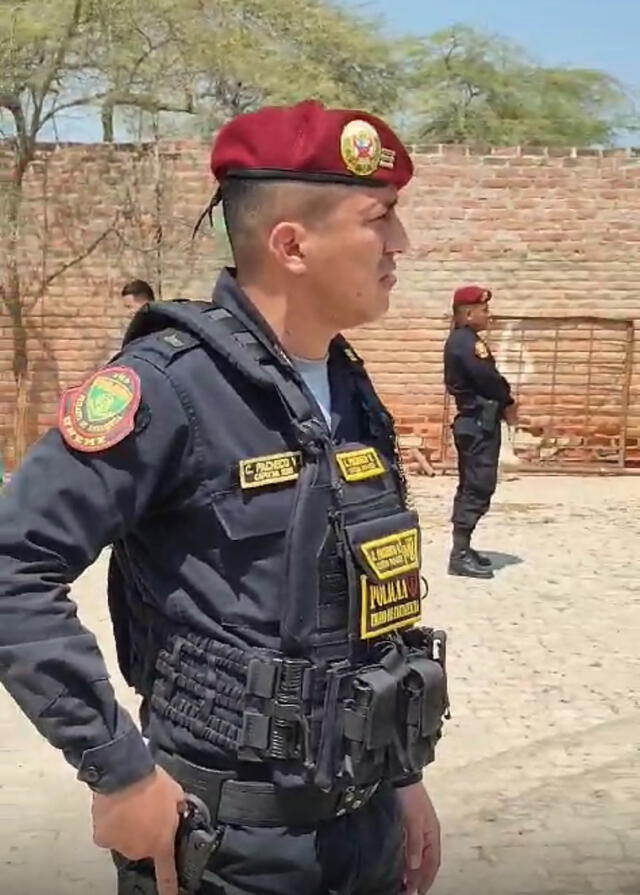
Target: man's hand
511 414
422 838
141 821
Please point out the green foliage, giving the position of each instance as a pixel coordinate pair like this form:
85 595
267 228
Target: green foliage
469 87
179 60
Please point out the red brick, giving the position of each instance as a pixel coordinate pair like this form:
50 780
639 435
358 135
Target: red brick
550 231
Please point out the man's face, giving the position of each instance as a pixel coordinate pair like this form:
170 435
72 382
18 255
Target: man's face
478 316
134 302
350 257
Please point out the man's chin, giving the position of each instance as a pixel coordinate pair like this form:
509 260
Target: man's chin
376 310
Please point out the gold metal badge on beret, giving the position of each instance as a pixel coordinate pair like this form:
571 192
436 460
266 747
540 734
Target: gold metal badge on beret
360 147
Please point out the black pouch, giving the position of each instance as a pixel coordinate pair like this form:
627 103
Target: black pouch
489 415
423 701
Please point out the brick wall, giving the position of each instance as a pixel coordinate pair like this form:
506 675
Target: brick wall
555 235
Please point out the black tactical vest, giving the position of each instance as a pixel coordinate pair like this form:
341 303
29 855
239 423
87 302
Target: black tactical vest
353 690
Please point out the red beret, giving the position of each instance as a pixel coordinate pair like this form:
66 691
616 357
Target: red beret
470 295
310 142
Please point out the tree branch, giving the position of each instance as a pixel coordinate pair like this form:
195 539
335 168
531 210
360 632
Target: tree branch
89 250
12 103
80 101
54 68
149 103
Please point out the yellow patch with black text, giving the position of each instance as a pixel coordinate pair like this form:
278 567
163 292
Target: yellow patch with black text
392 555
481 350
272 469
389 605
361 464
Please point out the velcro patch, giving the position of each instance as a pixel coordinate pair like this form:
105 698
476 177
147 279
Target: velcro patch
389 605
481 350
364 463
101 412
395 554
259 472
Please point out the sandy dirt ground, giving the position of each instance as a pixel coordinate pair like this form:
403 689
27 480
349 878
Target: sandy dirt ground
536 781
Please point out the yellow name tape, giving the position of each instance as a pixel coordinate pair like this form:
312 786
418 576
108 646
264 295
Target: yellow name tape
259 472
394 554
364 463
389 605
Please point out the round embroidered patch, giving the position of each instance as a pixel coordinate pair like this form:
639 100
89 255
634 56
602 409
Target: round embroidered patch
101 412
360 147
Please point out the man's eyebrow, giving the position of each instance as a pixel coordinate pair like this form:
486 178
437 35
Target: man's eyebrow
387 204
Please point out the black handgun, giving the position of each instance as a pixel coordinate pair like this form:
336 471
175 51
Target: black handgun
196 841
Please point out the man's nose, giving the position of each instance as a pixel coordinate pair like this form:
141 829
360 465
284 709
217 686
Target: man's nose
398 240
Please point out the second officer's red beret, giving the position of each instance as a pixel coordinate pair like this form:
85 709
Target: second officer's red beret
470 295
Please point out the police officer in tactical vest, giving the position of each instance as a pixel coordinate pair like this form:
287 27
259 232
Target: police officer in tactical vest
483 399
264 584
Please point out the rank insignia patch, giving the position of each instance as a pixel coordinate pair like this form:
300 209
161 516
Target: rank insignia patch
481 350
258 472
101 412
389 605
393 555
351 355
356 466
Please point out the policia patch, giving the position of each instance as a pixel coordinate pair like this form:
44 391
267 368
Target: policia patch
101 412
390 596
259 472
358 465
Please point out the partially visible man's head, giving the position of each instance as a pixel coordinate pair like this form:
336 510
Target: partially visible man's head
309 198
471 307
136 294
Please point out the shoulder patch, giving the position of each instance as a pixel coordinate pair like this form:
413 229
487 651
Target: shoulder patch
481 349
101 412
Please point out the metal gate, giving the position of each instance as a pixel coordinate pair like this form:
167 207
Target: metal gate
571 378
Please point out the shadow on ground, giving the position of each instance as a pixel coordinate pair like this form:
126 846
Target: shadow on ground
502 560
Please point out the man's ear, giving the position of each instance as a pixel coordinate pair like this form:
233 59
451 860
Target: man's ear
286 246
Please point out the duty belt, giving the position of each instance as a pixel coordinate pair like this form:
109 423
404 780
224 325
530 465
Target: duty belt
259 804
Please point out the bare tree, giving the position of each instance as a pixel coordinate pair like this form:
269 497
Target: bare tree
166 61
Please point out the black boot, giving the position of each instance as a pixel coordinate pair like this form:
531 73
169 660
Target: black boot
480 558
464 564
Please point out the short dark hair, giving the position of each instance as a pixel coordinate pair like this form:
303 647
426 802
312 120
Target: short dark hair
139 289
242 202
251 204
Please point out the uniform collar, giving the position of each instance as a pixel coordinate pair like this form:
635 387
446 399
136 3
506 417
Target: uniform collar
227 294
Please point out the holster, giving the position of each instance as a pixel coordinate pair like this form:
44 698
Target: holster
488 414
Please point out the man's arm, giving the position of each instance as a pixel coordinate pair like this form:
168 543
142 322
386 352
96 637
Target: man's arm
482 371
58 512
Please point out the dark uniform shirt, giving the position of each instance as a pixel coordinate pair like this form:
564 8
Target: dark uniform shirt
470 371
157 486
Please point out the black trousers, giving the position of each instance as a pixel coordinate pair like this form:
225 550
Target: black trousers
478 455
356 854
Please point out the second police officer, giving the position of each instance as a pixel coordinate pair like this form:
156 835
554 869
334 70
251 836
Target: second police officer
483 399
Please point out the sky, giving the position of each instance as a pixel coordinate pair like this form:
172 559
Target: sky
602 34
